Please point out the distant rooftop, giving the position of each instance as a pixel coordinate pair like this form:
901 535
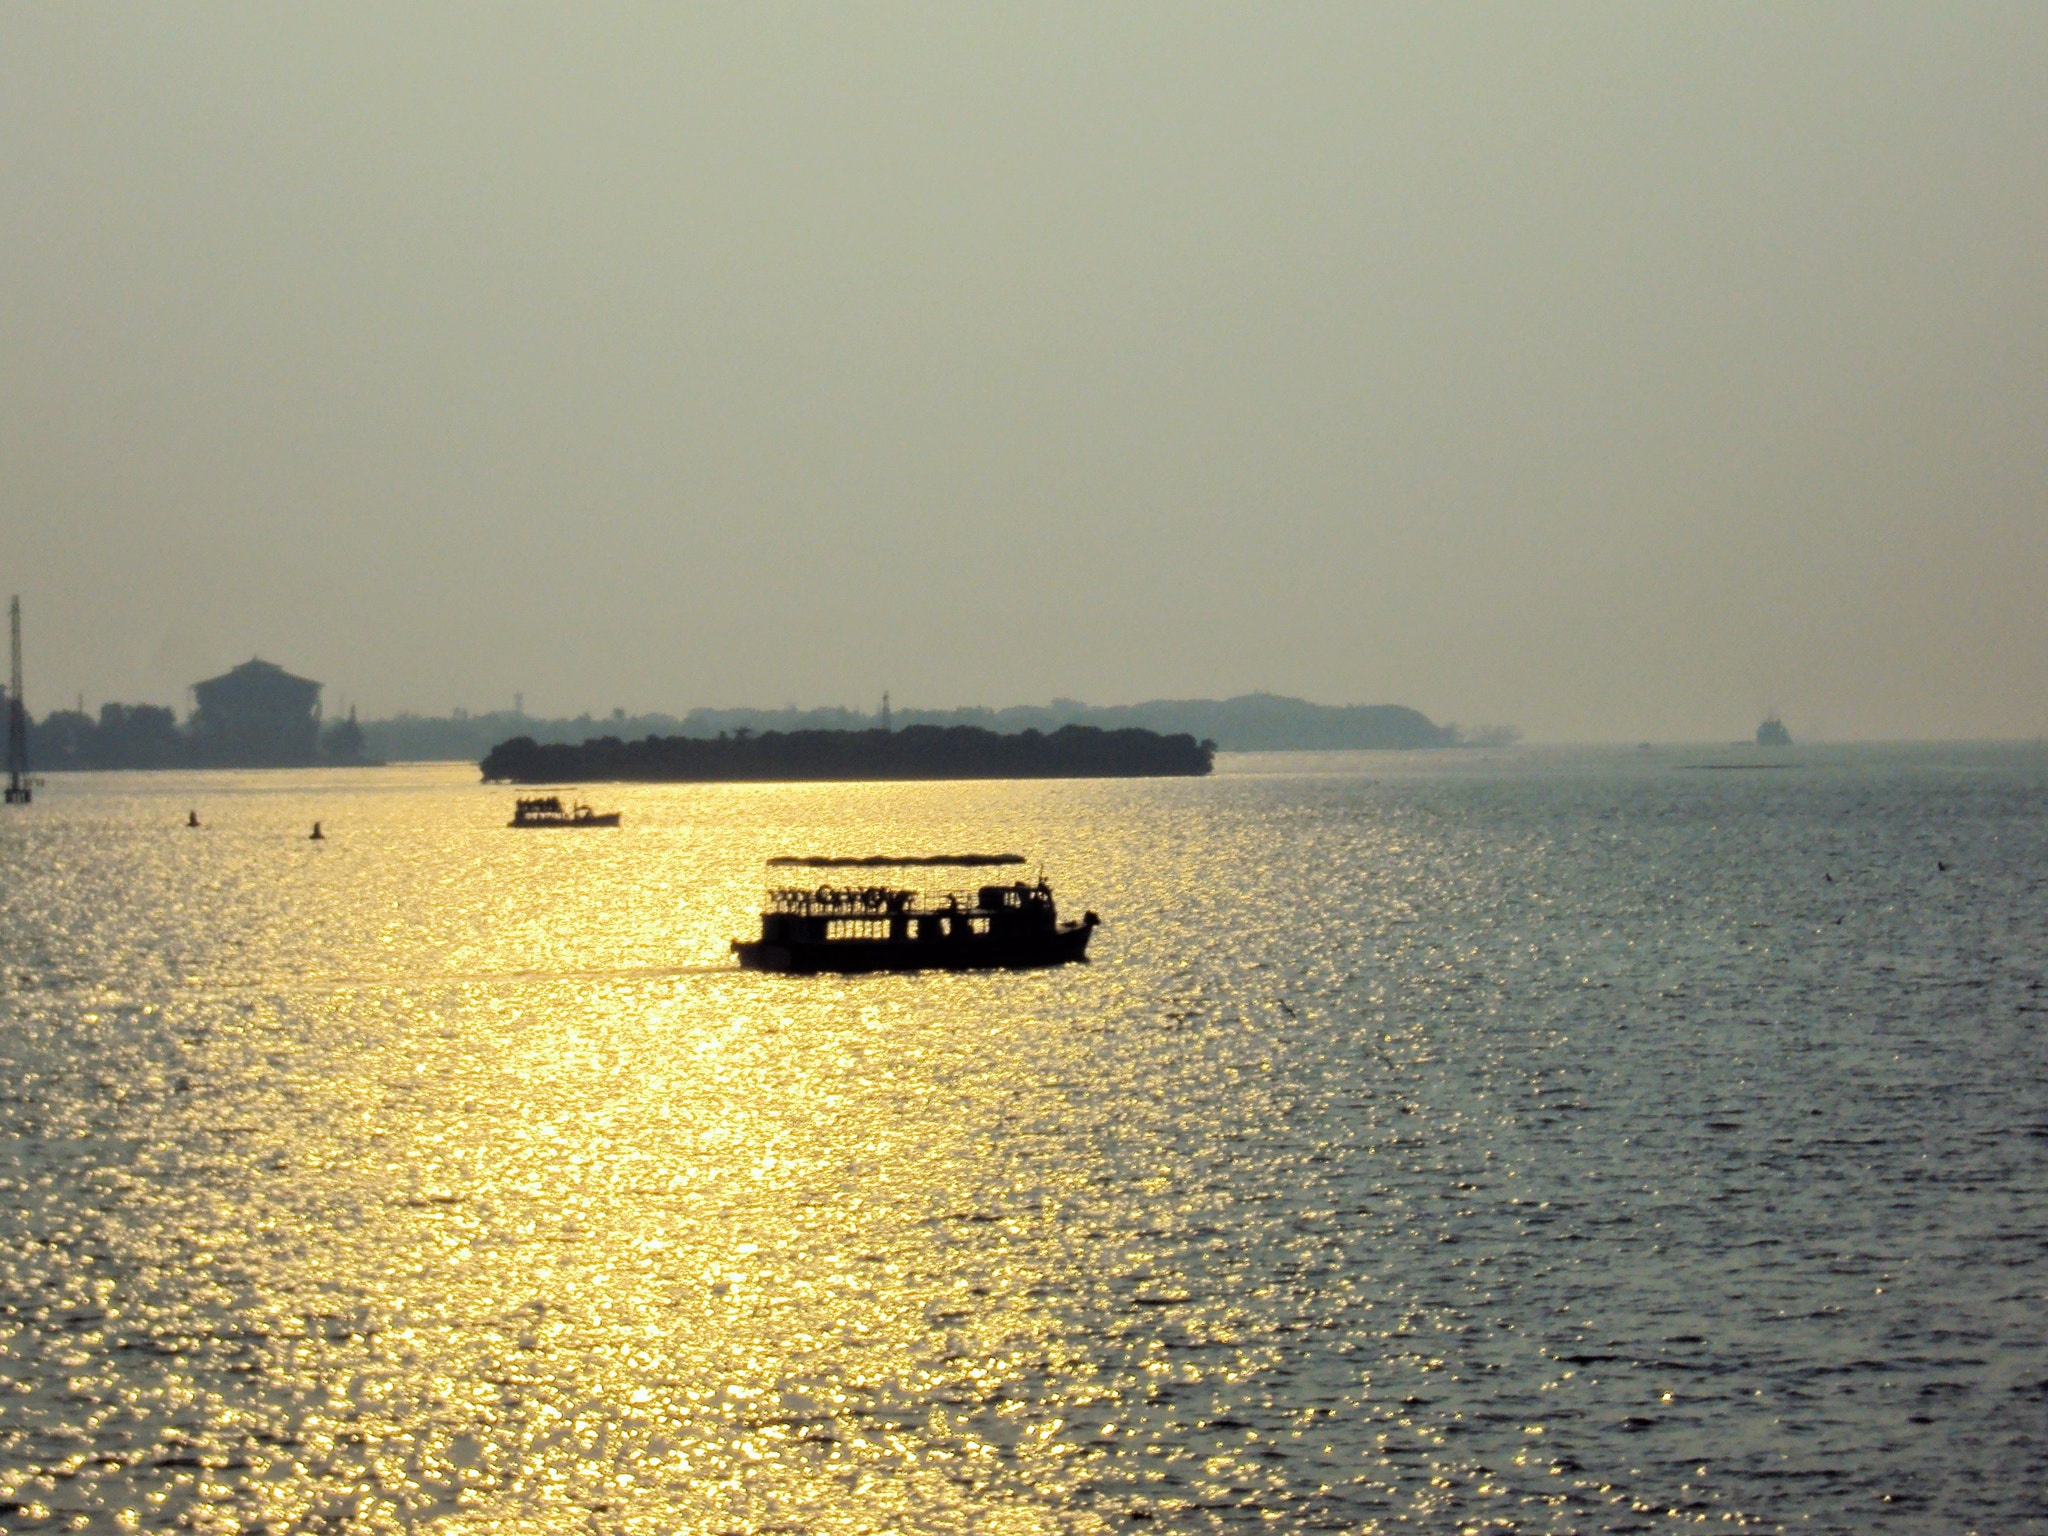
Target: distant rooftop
257 679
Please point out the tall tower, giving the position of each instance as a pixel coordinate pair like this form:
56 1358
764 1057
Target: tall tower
17 718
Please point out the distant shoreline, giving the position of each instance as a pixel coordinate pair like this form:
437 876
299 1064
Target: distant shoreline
131 736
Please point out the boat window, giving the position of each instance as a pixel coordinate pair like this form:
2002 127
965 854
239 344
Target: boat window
859 927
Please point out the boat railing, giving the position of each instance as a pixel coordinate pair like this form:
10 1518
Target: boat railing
832 900
899 901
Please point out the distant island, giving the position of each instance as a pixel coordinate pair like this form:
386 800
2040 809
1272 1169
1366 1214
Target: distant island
914 752
1253 722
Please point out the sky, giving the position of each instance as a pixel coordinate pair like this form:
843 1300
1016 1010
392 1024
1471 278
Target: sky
1617 372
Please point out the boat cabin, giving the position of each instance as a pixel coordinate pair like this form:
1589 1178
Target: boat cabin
888 926
792 914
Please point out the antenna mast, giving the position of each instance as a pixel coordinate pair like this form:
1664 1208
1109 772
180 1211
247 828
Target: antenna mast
17 718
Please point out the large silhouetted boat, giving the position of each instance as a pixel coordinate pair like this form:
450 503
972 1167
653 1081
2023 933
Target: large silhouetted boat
548 811
883 927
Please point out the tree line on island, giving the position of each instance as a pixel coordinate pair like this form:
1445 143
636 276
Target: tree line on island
914 752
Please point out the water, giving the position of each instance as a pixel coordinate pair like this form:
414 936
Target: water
1546 1142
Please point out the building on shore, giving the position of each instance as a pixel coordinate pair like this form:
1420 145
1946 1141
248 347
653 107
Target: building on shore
256 715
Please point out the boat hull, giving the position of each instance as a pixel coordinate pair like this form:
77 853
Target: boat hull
608 819
982 952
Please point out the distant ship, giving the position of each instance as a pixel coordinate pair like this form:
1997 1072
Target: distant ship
1772 733
885 928
548 811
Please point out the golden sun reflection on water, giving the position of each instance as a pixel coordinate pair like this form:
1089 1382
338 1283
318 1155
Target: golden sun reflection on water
700 1225
668 1244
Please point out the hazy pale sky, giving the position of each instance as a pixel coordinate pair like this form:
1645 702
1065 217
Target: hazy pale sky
1613 371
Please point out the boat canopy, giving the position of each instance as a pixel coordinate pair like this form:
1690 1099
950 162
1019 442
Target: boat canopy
896 861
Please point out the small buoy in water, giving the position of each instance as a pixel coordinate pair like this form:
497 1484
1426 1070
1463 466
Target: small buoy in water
316 835
191 818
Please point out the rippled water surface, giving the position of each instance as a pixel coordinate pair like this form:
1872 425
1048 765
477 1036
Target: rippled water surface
1546 1142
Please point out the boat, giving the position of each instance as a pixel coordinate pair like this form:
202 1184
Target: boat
1772 732
548 811
886 927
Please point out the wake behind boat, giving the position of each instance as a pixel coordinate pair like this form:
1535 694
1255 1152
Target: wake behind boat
890 928
548 811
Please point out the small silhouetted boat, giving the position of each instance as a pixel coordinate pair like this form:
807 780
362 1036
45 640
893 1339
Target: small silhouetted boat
885 927
548 811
